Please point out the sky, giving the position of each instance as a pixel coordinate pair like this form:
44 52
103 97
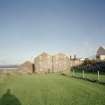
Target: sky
30 27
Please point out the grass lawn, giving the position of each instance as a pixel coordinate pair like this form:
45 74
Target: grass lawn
91 76
50 89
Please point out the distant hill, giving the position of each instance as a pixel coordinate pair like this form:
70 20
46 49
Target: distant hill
8 66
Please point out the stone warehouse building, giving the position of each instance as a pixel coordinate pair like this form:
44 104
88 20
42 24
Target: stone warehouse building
45 63
60 62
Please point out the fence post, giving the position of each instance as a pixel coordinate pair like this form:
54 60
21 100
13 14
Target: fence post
98 76
73 73
83 74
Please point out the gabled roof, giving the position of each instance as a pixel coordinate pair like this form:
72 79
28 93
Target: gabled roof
101 51
60 54
44 54
26 63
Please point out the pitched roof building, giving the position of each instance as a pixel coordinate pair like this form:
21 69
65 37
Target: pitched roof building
100 53
26 67
43 63
61 62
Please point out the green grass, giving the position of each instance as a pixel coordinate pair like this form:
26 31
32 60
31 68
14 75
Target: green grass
91 76
51 89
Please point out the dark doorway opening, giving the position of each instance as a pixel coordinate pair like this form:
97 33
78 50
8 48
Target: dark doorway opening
33 68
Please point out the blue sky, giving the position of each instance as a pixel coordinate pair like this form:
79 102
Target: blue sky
29 27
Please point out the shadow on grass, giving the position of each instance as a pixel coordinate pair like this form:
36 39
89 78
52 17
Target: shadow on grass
9 99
